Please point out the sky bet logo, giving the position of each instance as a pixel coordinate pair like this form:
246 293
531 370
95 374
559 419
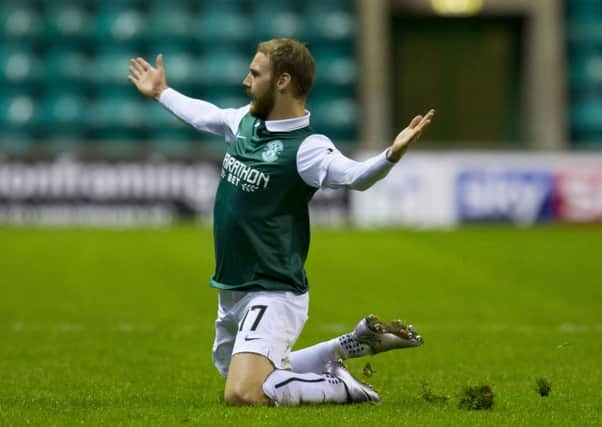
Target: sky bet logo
523 197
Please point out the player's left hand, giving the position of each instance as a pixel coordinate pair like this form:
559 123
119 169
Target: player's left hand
409 135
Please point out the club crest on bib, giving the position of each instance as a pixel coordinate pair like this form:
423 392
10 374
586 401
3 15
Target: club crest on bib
272 151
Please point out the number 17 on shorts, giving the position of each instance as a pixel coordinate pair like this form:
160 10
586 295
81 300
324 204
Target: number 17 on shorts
270 324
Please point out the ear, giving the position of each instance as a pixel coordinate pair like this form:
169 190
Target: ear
283 82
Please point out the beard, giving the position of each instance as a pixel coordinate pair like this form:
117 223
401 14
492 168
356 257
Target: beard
262 105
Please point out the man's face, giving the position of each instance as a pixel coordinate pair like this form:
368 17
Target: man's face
260 86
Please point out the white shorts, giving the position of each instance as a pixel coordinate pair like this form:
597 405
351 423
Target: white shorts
264 322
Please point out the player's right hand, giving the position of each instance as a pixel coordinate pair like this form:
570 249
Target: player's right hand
150 81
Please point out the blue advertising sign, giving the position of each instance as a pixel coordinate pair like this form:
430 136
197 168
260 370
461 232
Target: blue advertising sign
519 196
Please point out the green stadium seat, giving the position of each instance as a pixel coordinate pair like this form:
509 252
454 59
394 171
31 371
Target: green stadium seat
156 117
223 67
15 142
116 3
67 67
229 101
578 69
335 117
173 142
69 22
230 97
334 67
123 25
276 23
118 110
19 21
275 5
329 24
170 134
167 21
586 114
19 65
221 5
585 69
115 124
111 66
182 65
584 10
221 26
585 34
18 110
183 69
61 110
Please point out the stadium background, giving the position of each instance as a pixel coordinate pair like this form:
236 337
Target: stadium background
105 313
79 145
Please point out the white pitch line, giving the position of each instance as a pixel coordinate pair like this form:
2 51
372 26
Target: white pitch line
67 327
523 328
335 328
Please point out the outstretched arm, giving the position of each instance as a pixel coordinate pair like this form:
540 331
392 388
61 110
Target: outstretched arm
320 164
149 81
410 134
203 116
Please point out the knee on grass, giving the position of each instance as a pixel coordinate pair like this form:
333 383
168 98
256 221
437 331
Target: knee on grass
239 395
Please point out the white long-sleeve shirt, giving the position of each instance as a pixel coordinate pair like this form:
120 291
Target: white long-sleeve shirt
319 163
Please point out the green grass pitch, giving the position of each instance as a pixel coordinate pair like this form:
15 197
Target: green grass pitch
115 328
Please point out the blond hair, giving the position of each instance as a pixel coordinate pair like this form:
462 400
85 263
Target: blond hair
292 57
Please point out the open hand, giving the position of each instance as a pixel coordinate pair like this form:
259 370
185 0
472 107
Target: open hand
409 135
150 81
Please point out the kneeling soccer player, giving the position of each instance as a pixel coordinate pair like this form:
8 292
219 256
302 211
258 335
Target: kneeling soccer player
274 163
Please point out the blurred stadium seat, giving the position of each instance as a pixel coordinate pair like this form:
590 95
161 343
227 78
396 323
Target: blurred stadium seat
275 20
168 21
19 20
18 111
171 142
335 67
156 121
334 116
67 67
111 67
233 97
223 67
64 65
62 110
120 24
584 10
15 142
586 115
330 21
19 65
182 64
118 110
584 28
221 26
68 21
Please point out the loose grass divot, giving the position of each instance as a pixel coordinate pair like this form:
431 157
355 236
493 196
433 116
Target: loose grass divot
428 395
543 387
476 398
368 370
